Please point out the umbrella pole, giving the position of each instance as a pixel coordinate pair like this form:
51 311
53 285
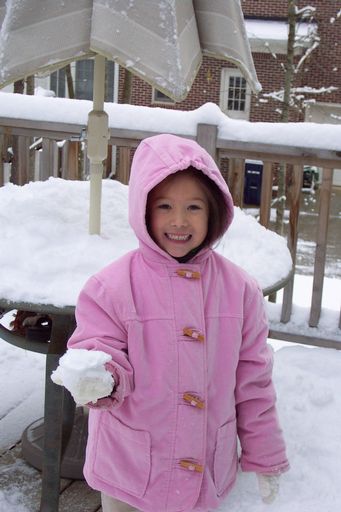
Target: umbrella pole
97 137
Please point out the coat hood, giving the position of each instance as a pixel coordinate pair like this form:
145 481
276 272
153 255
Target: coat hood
155 159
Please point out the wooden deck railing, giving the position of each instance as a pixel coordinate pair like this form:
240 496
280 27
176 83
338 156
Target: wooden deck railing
63 161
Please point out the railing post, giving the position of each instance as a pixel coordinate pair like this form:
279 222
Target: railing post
266 195
73 163
70 166
49 159
236 180
321 245
123 170
21 160
207 138
294 192
2 160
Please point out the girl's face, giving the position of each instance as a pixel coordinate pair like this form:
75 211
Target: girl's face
178 214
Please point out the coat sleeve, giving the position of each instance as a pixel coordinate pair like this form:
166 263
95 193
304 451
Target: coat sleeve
259 432
99 327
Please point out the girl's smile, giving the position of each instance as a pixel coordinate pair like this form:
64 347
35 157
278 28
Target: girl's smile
177 214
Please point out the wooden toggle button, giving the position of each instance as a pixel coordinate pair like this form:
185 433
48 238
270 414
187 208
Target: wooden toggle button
193 333
189 274
194 400
192 466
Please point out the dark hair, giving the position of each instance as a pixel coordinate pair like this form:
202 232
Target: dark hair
217 207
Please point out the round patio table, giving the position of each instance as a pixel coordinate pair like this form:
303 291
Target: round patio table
56 443
59 408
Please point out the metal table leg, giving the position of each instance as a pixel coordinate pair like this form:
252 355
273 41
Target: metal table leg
62 327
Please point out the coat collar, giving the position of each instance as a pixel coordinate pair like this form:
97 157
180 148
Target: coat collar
155 254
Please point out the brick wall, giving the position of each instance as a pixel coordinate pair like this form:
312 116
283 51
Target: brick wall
274 9
206 88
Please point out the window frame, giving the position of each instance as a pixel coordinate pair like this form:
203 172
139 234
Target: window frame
165 100
226 75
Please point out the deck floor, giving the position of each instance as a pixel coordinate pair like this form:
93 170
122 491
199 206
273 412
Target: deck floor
21 483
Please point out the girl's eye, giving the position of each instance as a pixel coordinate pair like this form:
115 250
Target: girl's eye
163 206
194 207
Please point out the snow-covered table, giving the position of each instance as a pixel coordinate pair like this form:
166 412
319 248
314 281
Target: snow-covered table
46 255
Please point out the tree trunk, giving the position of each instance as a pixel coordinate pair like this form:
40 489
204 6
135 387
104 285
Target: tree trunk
69 81
288 79
127 86
30 85
289 65
19 87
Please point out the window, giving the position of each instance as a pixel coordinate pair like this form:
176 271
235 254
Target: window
159 97
82 74
235 94
85 76
109 80
57 83
84 79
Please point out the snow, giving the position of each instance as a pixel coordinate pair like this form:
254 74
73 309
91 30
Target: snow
159 120
48 222
275 30
83 373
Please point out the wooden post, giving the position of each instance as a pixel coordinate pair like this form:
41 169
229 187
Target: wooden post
108 163
73 171
321 245
49 159
236 182
21 160
207 138
266 195
123 170
2 160
70 165
294 192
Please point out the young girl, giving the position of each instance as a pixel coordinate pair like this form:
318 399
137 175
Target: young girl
181 333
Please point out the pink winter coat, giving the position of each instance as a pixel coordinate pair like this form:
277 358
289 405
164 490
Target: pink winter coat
190 359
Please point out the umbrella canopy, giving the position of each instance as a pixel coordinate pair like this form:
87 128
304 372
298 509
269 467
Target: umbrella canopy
162 41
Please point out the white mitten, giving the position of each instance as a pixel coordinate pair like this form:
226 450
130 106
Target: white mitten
83 373
268 487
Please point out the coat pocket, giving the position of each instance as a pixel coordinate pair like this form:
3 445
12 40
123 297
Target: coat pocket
225 457
123 456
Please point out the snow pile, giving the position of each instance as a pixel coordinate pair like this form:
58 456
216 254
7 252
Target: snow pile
83 373
46 253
